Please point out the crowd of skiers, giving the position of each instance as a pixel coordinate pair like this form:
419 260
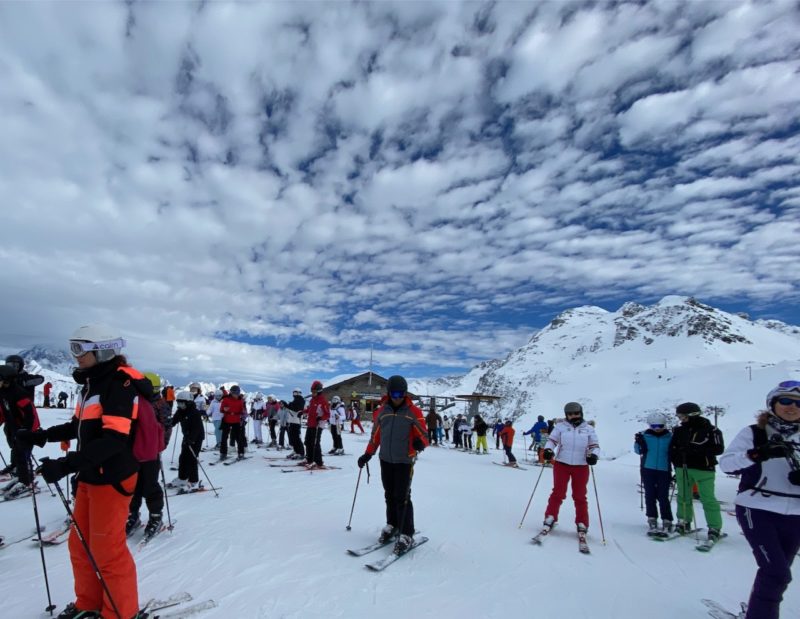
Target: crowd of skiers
123 420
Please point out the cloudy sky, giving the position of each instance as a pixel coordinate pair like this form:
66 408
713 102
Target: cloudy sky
260 191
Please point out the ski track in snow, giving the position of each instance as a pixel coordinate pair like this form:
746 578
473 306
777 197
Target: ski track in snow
274 546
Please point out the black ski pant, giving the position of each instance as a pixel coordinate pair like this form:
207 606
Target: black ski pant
313 448
294 439
187 462
272 424
234 432
433 436
396 479
22 461
337 437
148 488
282 436
656 492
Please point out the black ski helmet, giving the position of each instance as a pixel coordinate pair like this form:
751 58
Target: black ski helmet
16 362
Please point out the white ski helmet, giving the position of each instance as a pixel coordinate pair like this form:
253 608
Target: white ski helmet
258 396
657 419
195 387
184 396
218 394
335 399
100 339
789 388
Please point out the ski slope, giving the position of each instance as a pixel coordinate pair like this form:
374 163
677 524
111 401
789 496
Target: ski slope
274 546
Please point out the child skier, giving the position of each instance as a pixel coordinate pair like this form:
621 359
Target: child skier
653 446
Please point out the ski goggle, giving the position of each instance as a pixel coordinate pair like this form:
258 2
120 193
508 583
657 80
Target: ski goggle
397 395
78 348
573 413
788 402
790 384
656 426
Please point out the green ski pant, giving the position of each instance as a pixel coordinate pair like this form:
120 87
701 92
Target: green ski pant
686 478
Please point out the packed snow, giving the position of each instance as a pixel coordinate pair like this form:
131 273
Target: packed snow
273 545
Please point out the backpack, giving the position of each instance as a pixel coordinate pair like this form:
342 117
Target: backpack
148 438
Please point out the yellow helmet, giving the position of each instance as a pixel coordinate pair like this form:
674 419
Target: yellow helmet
154 379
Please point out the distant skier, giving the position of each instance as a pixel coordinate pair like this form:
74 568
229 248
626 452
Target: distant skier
400 433
496 429
767 454
293 412
447 424
233 410
507 437
693 450
271 415
62 399
17 413
192 430
432 420
578 448
337 422
319 412
480 427
653 446
355 417
214 411
536 432
257 407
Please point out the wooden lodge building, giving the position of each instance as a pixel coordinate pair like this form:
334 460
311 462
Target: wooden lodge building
367 389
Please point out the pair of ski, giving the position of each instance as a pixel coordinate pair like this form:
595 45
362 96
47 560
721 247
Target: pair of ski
155 607
703 546
510 466
165 526
228 462
56 537
382 564
309 469
583 546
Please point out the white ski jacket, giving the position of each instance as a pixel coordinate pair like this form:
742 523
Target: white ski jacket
571 445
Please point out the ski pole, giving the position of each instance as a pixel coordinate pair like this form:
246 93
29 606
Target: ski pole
85 545
50 606
3 458
358 481
531 499
641 485
36 462
174 445
597 500
200 464
166 493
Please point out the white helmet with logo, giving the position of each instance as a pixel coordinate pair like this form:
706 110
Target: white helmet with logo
100 339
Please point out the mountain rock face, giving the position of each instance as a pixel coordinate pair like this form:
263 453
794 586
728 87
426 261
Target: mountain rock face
53 359
634 361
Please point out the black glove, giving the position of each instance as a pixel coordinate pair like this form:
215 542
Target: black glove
418 445
53 470
26 439
794 478
591 459
363 459
548 455
639 440
766 452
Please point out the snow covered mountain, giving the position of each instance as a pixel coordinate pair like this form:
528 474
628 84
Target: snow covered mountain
623 365
44 358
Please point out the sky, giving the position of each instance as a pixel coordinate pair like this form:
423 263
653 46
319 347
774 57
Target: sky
266 192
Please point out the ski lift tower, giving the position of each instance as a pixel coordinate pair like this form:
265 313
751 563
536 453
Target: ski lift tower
473 401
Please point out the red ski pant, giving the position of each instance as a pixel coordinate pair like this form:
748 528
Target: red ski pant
101 512
563 474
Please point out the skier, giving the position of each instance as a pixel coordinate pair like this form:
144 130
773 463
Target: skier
653 446
480 427
214 411
767 454
233 410
536 431
257 413
399 430
17 413
271 414
48 387
432 420
578 449
355 417
507 436
466 434
192 429
28 383
318 412
106 471
337 422
293 412
147 484
62 399
457 431
199 400
496 429
283 421
447 424
693 450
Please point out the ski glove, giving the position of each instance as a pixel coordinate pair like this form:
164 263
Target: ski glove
639 439
767 451
418 445
548 455
26 439
363 459
591 459
53 470
794 478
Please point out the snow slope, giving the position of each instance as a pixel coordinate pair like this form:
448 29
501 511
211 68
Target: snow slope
273 546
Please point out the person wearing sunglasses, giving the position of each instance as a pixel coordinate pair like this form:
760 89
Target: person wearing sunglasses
695 445
106 469
400 432
656 471
767 455
578 448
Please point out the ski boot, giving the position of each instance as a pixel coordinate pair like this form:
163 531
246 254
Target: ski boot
683 527
713 534
652 524
387 533
666 526
132 524
71 612
153 525
403 543
549 523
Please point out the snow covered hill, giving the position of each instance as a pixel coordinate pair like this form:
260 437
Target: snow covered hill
623 365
